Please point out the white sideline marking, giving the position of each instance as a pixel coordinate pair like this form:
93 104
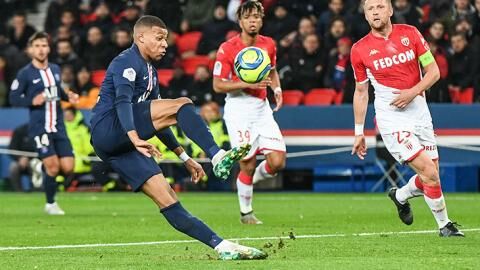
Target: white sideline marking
234 239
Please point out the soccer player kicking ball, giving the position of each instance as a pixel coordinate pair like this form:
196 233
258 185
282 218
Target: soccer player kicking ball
389 57
247 113
128 113
37 87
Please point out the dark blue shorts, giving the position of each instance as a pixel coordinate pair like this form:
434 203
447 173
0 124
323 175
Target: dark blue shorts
113 146
49 144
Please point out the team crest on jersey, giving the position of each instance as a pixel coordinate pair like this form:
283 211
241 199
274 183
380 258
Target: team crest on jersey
405 41
57 76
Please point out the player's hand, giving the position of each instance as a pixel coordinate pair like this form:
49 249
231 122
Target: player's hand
195 169
146 148
404 97
72 97
278 100
261 85
38 100
359 147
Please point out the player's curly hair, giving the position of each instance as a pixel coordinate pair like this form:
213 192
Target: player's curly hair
249 6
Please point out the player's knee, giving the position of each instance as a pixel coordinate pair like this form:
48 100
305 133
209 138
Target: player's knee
52 169
182 101
67 169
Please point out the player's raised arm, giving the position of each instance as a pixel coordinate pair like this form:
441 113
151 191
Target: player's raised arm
18 95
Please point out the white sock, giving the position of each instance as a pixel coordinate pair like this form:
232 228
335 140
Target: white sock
218 156
439 210
261 173
408 191
245 194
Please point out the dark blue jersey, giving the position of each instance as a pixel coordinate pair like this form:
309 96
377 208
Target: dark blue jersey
129 79
30 82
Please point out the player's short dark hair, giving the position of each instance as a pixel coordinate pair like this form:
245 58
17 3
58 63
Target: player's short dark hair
37 35
150 21
248 7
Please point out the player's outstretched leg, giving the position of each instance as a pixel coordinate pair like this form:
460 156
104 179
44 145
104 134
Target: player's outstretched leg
160 192
427 171
182 111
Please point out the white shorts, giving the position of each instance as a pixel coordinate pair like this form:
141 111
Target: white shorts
406 145
262 133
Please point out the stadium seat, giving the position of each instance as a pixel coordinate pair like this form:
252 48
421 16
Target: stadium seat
190 64
465 96
188 41
164 76
338 99
98 76
292 97
320 96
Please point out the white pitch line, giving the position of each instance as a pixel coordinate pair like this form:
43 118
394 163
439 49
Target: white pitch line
233 239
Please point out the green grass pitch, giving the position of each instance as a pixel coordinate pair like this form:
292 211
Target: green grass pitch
326 228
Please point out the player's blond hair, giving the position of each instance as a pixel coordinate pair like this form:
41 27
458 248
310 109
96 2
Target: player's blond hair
388 2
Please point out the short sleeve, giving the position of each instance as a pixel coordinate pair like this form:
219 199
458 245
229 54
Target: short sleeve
358 66
273 54
421 45
223 64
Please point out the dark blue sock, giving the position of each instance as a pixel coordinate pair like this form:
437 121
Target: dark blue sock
184 222
195 128
50 186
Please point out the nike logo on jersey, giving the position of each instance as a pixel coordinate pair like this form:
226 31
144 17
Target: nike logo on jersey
394 60
145 77
36 81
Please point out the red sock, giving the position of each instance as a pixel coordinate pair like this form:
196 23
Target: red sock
418 183
245 178
268 169
432 192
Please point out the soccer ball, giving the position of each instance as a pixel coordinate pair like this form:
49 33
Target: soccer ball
252 65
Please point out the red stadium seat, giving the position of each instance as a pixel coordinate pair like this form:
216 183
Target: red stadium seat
189 65
465 96
338 99
164 76
98 76
320 96
188 41
292 97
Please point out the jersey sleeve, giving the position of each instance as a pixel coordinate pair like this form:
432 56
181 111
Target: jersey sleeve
18 91
422 49
359 70
124 76
223 64
273 54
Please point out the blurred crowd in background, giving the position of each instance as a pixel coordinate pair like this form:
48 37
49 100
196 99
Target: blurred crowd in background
313 37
